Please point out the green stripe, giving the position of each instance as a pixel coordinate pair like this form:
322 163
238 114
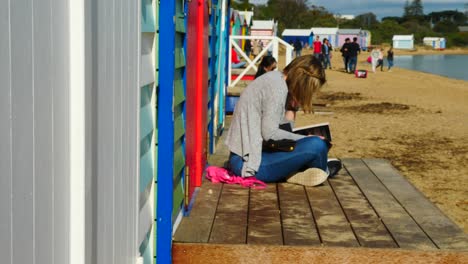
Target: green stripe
179 57
179 96
179 128
179 162
180 23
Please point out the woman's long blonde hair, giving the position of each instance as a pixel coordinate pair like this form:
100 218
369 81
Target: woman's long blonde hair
304 77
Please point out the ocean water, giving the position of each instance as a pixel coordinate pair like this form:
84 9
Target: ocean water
452 66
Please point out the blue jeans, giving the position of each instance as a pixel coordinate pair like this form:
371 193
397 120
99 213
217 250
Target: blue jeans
352 63
390 64
298 53
326 61
238 65
310 152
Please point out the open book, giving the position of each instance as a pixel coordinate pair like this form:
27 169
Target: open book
322 129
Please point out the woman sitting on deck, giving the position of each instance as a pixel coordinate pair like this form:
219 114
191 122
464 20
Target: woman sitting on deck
257 117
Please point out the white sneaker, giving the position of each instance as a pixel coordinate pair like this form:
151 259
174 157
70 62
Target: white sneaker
334 166
309 177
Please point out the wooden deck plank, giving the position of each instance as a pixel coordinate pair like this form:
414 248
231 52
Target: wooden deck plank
264 225
334 228
296 218
404 230
230 223
370 231
443 231
227 254
196 227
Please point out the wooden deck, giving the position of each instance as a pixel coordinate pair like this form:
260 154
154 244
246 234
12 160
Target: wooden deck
368 205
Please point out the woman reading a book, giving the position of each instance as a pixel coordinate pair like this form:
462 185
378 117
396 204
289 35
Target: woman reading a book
257 117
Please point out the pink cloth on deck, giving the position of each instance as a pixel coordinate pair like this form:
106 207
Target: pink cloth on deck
217 174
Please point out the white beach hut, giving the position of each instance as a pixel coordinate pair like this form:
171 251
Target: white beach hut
403 41
435 42
263 28
303 35
326 32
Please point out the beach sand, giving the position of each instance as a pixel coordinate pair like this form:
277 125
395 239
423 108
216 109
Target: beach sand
416 120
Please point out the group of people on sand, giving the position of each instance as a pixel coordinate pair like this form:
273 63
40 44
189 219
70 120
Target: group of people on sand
264 107
322 50
349 52
376 58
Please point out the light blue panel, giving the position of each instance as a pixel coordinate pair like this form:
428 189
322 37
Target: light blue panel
146 120
145 249
147 16
145 95
146 170
5 134
22 131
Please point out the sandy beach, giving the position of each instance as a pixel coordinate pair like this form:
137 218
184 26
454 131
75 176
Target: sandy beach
416 120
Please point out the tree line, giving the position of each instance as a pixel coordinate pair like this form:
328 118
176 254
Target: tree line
301 14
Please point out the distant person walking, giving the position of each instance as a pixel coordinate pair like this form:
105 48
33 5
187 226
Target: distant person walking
326 53
345 54
248 47
380 60
318 48
390 58
257 47
298 47
354 50
375 55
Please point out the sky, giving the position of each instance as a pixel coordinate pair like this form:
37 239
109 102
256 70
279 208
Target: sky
381 8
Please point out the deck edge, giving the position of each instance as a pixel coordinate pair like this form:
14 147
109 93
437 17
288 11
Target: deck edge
216 253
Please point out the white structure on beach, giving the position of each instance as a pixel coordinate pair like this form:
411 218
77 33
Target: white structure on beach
435 43
403 41
329 33
303 35
263 28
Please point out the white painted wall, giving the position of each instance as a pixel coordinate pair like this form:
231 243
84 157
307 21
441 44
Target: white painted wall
69 115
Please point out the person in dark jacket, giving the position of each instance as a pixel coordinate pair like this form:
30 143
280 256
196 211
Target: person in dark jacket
298 47
354 49
390 58
248 47
326 53
345 53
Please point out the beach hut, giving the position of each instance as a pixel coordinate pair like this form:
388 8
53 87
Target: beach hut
365 40
246 21
403 41
263 28
348 33
435 42
327 32
101 157
303 35
463 29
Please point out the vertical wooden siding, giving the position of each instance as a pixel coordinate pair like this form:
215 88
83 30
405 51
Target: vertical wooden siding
116 126
147 131
179 108
34 154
